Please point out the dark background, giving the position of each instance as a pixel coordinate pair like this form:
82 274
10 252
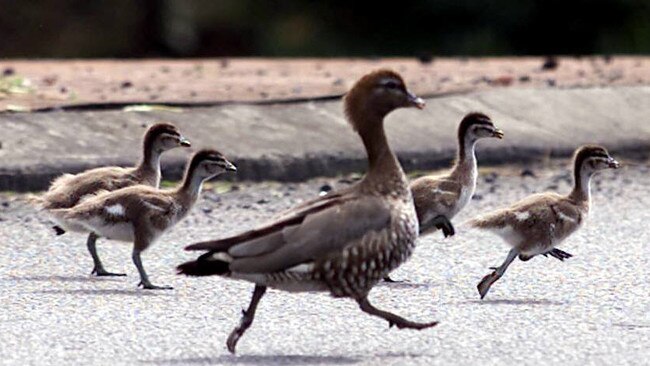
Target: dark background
203 28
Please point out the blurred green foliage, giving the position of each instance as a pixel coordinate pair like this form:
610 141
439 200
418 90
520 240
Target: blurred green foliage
195 28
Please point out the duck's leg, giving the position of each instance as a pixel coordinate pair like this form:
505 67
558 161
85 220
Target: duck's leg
247 318
144 278
441 222
392 319
489 280
98 268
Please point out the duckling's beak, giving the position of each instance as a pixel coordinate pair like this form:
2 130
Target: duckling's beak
184 142
415 101
498 133
613 163
230 167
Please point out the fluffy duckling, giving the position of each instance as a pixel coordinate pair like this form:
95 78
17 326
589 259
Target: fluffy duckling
537 224
68 190
141 214
342 243
438 198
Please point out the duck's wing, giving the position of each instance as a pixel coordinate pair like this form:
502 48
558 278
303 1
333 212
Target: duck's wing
309 234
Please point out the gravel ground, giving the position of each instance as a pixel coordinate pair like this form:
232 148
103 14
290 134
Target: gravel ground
592 309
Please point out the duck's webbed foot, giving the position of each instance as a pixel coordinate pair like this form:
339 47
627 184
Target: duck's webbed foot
559 254
393 319
441 222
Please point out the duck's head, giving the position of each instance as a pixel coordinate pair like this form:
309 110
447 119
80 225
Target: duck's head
592 158
164 136
477 125
377 94
207 163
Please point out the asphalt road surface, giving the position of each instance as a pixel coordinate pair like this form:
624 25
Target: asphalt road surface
591 309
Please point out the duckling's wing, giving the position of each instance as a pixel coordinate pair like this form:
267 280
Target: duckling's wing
434 195
305 238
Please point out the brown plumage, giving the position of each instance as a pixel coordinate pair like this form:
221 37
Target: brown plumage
537 224
69 189
438 198
140 213
342 243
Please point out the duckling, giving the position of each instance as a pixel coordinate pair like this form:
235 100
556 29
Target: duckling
141 214
538 223
342 243
68 190
438 198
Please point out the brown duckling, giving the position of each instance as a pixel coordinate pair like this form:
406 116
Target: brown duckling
539 223
141 214
70 189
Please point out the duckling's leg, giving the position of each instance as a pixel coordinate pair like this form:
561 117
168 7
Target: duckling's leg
98 269
247 318
392 319
489 280
144 278
441 222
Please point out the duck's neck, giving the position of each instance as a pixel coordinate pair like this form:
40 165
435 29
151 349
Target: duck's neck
466 167
581 185
150 164
191 187
382 163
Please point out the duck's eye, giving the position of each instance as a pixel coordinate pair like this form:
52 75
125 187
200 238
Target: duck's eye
391 85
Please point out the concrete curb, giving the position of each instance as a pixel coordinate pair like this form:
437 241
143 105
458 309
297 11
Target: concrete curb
292 142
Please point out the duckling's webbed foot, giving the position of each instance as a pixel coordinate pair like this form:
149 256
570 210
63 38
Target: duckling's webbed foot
247 318
58 230
487 281
441 222
393 319
101 272
150 286
559 254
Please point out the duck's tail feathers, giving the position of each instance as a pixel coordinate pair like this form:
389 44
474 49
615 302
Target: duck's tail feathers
208 264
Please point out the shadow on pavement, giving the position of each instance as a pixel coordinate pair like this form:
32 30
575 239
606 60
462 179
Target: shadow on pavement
100 292
515 302
59 278
260 360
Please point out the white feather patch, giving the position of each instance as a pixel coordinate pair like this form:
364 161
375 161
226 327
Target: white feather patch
115 210
221 256
303 267
522 216
564 217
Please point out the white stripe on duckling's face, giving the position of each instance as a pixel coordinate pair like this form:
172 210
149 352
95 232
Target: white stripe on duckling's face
115 210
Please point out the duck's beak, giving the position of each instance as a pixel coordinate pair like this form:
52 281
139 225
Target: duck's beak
415 101
184 142
230 167
613 163
498 133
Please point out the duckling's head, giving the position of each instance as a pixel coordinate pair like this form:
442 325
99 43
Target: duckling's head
164 136
477 125
208 163
592 158
377 94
